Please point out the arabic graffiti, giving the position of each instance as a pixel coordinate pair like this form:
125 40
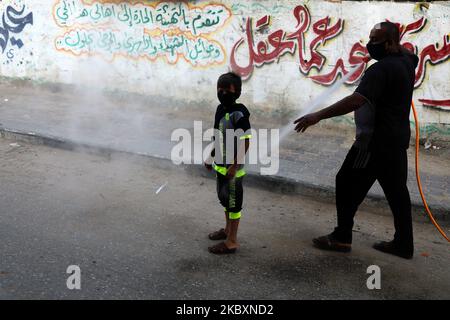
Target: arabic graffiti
433 53
238 8
13 22
430 53
169 30
439 104
198 51
280 42
164 15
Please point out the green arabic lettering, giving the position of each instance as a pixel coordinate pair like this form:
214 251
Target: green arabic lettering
96 12
65 14
108 12
159 18
128 44
145 19
165 7
123 16
118 43
148 42
68 40
136 18
84 13
194 28
218 53
151 15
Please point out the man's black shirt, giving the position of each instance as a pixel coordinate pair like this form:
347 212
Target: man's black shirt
388 88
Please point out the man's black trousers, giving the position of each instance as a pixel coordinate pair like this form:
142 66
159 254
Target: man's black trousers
355 178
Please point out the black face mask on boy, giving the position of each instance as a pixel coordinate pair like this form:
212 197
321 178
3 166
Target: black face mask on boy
226 98
377 51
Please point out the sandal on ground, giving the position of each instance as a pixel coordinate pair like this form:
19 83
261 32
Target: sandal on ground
218 235
221 248
330 243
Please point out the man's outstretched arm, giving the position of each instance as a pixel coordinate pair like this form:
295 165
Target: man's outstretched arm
344 106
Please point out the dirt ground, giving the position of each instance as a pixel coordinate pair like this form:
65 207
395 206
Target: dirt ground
102 213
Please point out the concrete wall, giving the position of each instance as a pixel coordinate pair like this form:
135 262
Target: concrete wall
287 51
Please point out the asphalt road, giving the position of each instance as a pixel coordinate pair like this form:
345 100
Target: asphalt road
102 213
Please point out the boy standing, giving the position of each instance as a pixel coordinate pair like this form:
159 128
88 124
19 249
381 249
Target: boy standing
234 117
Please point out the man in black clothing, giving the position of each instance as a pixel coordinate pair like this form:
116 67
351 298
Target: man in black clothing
382 106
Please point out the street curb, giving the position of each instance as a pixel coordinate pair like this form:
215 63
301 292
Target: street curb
376 204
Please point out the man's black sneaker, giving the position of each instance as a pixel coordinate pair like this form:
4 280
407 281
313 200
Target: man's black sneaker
391 248
330 243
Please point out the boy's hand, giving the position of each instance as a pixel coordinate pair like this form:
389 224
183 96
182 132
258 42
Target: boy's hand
231 172
208 166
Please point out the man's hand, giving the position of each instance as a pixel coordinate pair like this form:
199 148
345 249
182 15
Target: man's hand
231 172
306 121
208 166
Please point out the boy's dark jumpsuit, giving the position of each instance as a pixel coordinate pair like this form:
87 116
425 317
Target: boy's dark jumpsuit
230 191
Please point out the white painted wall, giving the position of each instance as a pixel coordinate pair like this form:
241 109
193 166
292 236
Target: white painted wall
50 51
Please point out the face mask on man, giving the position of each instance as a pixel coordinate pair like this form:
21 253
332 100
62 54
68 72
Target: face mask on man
226 98
377 51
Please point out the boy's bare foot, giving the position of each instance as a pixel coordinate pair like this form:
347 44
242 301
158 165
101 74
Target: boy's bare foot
218 235
221 248
231 244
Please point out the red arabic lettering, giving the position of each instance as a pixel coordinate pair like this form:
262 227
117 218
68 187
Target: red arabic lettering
436 103
324 33
279 43
262 54
357 56
434 55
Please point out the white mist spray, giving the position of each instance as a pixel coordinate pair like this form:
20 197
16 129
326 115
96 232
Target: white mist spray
316 103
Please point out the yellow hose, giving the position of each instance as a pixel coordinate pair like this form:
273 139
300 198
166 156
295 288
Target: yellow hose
419 184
